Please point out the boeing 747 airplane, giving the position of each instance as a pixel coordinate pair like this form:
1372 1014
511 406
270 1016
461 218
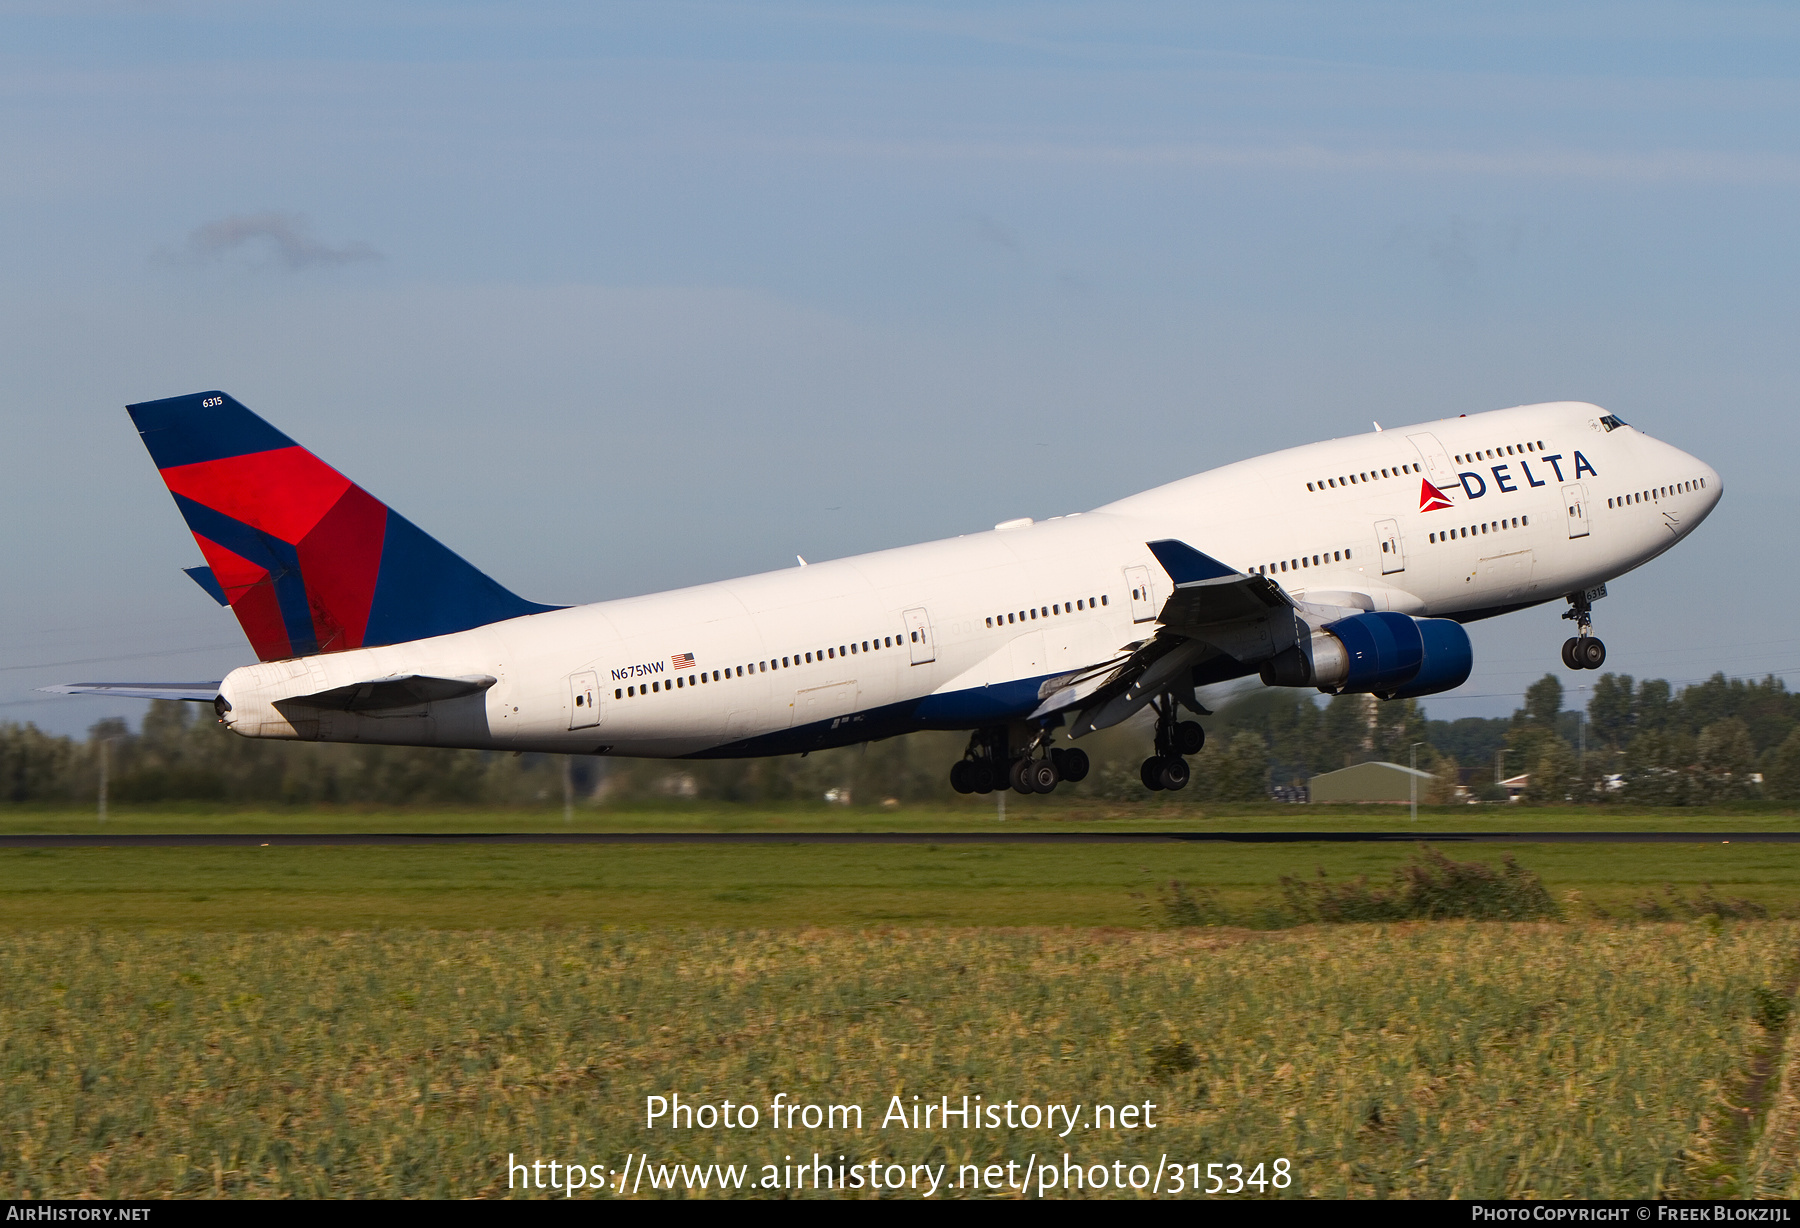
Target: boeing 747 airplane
1350 566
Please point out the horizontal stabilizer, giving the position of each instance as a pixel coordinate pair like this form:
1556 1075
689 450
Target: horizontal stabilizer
198 692
203 576
400 691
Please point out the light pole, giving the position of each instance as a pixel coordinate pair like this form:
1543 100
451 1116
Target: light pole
1500 768
1581 735
105 759
1413 780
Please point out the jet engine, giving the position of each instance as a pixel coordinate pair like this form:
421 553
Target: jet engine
1391 655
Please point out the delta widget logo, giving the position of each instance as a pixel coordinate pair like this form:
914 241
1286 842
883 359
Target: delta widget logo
1431 498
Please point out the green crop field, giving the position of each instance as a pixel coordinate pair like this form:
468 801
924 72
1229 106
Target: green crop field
1452 1059
398 1020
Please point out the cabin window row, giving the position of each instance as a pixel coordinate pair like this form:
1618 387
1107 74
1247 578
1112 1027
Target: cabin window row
1049 611
1476 530
1353 479
1658 492
682 681
1511 449
1305 560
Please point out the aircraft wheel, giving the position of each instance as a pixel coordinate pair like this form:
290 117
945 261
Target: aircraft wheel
1151 774
959 776
981 776
1591 654
1189 738
1072 765
1040 774
1021 782
1174 773
1568 653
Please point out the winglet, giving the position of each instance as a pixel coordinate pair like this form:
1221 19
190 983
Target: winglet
1187 565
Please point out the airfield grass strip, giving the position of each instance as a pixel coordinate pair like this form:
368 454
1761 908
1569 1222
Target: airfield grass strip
1443 1059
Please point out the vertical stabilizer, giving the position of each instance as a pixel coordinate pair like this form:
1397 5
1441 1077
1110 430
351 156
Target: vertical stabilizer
308 560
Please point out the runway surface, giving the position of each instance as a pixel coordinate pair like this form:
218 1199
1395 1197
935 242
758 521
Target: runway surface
124 840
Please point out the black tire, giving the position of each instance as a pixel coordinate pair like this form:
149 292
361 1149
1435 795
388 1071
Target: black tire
1073 765
1021 783
1041 776
981 776
1189 738
1591 654
1174 773
959 776
1568 654
1151 773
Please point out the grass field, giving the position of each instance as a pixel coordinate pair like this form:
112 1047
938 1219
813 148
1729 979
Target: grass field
778 886
973 815
396 1020
1449 1060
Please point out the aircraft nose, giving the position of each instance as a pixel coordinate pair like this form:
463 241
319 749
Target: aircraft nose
1711 484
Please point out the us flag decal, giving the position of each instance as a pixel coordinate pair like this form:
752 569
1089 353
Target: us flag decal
682 660
1431 498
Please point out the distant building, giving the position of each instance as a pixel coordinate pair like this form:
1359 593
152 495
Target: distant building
1371 782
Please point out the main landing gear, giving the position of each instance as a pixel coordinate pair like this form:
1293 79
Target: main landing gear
990 764
1583 650
1168 767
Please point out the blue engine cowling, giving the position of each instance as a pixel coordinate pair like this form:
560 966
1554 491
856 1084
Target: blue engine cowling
1397 657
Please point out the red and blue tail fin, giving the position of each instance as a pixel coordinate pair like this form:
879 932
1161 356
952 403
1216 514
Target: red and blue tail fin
308 560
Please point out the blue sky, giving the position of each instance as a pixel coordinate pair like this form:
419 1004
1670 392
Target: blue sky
619 297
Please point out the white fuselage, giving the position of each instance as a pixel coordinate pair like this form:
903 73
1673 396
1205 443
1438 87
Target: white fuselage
930 636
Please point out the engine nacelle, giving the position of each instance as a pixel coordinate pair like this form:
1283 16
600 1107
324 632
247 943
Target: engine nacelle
1386 654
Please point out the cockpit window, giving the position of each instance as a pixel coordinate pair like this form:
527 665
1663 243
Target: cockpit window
1610 422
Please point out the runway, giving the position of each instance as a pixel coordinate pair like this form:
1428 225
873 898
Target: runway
206 840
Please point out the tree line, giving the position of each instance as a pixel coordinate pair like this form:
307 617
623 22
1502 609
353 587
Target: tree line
1635 742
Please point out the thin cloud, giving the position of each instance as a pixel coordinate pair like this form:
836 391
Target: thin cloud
992 232
1667 165
284 236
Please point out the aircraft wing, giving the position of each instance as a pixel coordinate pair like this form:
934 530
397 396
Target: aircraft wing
1208 593
1215 611
197 692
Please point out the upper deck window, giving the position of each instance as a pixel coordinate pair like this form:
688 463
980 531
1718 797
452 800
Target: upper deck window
1610 422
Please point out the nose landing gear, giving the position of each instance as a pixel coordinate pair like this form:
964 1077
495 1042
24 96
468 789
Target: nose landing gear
1584 650
1168 767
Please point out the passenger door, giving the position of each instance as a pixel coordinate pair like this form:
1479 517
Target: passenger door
1575 500
918 636
1143 605
1387 534
584 700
